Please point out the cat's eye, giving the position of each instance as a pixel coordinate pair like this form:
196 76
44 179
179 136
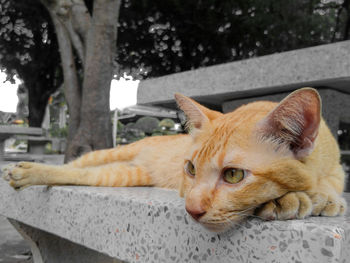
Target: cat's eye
233 175
190 168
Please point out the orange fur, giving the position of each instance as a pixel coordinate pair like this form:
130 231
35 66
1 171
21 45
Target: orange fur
290 158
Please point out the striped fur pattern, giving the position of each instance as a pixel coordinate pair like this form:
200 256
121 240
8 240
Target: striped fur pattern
289 158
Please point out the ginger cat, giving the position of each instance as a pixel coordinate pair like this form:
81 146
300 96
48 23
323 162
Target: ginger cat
277 161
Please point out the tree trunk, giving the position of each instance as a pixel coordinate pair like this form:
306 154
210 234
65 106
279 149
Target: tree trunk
94 40
94 130
36 107
37 96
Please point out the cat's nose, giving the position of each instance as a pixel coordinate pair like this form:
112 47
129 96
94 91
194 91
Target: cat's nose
195 212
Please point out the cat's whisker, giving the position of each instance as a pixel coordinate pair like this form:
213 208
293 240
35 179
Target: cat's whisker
231 222
255 216
241 212
250 215
227 220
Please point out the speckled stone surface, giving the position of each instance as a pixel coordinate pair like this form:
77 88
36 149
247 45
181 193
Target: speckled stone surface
326 65
151 225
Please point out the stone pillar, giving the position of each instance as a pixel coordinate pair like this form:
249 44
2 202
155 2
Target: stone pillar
2 150
3 138
62 117
46 122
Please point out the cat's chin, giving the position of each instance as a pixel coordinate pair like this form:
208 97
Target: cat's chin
218 227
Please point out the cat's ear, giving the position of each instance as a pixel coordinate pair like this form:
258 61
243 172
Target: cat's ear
196 114
294 122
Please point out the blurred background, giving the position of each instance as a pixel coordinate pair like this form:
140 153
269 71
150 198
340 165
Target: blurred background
62 72
49 59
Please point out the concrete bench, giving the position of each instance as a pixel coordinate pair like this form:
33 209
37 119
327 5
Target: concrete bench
36 144
225 87
95 224
8 131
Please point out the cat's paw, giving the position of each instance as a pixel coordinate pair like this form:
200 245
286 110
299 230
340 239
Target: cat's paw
20 175
293 205
327 204
5 171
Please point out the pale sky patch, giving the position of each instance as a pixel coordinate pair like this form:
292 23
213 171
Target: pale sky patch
8 94
123 93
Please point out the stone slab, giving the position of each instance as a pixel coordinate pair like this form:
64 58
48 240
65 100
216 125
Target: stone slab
150 225
6 130
325 65
34 138
42 158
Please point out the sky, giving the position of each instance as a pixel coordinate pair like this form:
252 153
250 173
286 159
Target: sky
8 94
123 93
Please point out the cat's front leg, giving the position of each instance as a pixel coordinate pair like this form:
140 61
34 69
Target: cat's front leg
327 203
298 205
25 174
290 206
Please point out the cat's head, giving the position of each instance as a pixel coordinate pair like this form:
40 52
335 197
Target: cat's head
245 158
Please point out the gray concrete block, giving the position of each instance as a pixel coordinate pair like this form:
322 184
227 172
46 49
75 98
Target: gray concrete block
326 65
49 248
12 246
151 225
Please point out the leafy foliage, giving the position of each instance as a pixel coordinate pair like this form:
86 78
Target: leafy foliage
57 132
146 126
162 37
167 124
28 48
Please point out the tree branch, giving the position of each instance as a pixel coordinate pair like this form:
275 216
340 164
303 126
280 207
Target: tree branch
337 22
347 24
77 23
81 18
76 41
71 84
75 18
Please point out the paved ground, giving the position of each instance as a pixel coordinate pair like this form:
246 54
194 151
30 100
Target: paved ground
13 248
